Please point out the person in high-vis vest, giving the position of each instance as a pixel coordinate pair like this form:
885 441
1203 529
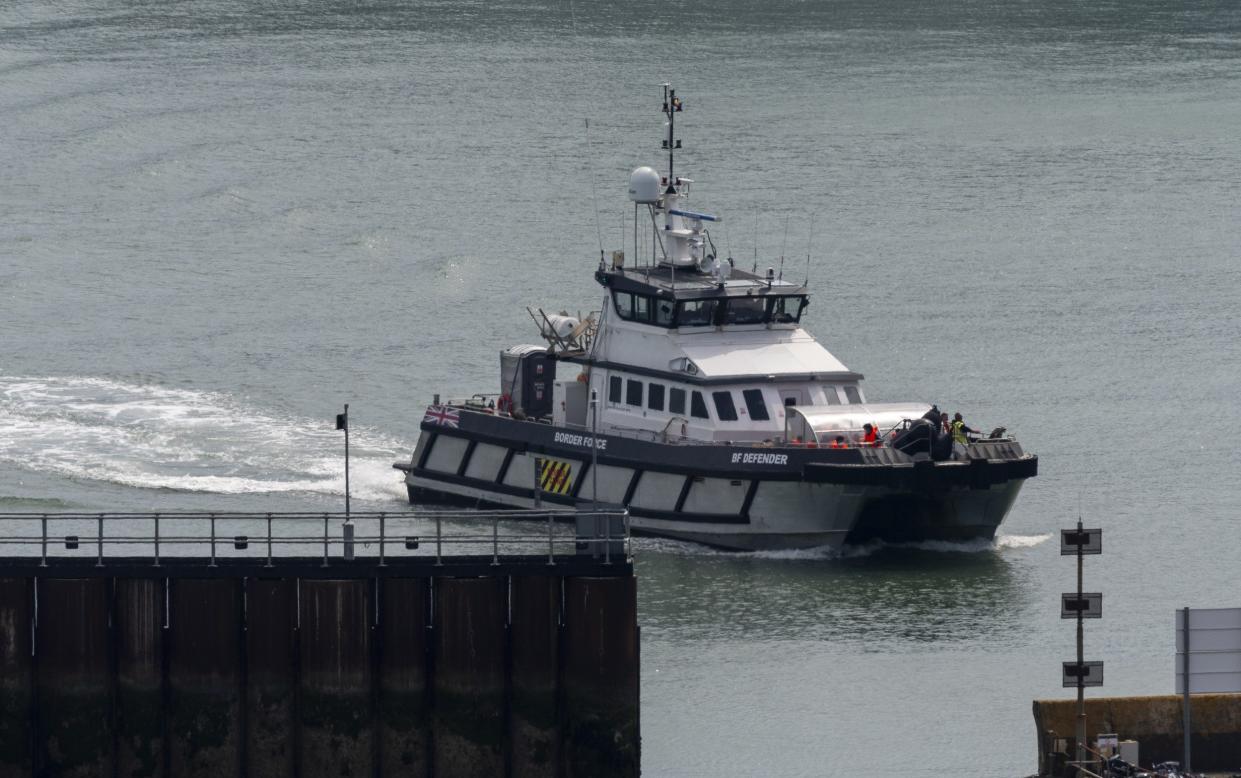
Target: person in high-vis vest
960 438
839 442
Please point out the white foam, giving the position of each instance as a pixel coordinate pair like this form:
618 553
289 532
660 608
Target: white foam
1000 543
157 437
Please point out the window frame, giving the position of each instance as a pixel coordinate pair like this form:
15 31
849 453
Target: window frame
763 309
675 394
725 406
759 405
714 304
652 391
633 398
697 404
782 300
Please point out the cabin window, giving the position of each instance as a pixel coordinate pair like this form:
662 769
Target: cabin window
696 313
676 401
754 404
624 304
655 397
641 307
833 397
632 307
724 407
746 310
664 312
633 393
855 397
787 310
614 389
697 407
790 402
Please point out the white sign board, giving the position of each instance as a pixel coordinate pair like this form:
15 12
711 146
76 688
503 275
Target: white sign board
1214 650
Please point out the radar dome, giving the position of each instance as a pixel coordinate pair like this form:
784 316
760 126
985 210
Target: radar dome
644 185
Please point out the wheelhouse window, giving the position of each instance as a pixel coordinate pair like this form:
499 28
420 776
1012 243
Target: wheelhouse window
641 307
697 406
665 311
754 404
724 407
833 397
746 310
787 310
655 397
614 389
633 393
853 395
676 400
696 313
623 302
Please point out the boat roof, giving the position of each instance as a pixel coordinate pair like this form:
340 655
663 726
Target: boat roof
690 284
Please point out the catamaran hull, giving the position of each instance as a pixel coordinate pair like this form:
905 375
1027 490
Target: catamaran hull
735 497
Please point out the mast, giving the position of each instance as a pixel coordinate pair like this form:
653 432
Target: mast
672 106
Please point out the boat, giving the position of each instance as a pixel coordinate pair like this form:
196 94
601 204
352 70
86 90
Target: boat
694 398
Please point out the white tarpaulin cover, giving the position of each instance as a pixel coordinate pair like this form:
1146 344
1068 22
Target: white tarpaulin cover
822 422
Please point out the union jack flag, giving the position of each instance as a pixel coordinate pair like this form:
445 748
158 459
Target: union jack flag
443 416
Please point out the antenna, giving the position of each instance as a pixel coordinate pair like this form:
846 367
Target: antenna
783 245
594 197
672 106
809 241
755 268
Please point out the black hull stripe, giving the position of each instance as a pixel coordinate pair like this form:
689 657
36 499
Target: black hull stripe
634 511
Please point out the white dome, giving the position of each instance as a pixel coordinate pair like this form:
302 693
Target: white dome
644 185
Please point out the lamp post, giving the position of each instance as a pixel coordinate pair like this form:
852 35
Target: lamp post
342 423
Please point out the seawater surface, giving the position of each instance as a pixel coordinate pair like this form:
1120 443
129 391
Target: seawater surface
222 220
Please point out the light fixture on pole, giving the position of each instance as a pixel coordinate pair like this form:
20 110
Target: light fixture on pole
1081 605
342 423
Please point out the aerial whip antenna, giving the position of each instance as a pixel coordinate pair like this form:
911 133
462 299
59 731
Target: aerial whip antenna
784 245
594 197
755 268
809 241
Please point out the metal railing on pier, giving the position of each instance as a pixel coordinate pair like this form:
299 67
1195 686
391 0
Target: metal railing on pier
335 536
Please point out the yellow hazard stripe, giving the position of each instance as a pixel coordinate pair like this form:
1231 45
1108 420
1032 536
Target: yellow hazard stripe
556 477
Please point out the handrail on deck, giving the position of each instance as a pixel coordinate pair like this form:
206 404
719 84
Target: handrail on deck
596 543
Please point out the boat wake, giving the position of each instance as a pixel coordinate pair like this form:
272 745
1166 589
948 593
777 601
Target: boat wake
156 437
999 543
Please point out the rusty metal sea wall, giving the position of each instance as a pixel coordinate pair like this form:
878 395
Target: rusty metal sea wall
444 673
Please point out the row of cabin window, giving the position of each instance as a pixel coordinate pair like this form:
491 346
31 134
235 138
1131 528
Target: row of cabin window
725 409
710 312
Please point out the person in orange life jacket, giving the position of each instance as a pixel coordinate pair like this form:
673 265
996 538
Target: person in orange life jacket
839 442
871 438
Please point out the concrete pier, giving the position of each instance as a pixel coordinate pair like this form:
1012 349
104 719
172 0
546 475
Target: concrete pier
1155 722
535 660
271 676
600 677
460 667
470 676
74 716
138 627
16 677
404 701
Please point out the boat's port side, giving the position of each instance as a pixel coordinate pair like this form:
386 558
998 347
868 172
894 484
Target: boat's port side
821 501
740 513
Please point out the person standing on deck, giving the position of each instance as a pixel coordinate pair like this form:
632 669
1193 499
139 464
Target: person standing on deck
960 434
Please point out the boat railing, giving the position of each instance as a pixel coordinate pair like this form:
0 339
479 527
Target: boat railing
485 403
379 537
